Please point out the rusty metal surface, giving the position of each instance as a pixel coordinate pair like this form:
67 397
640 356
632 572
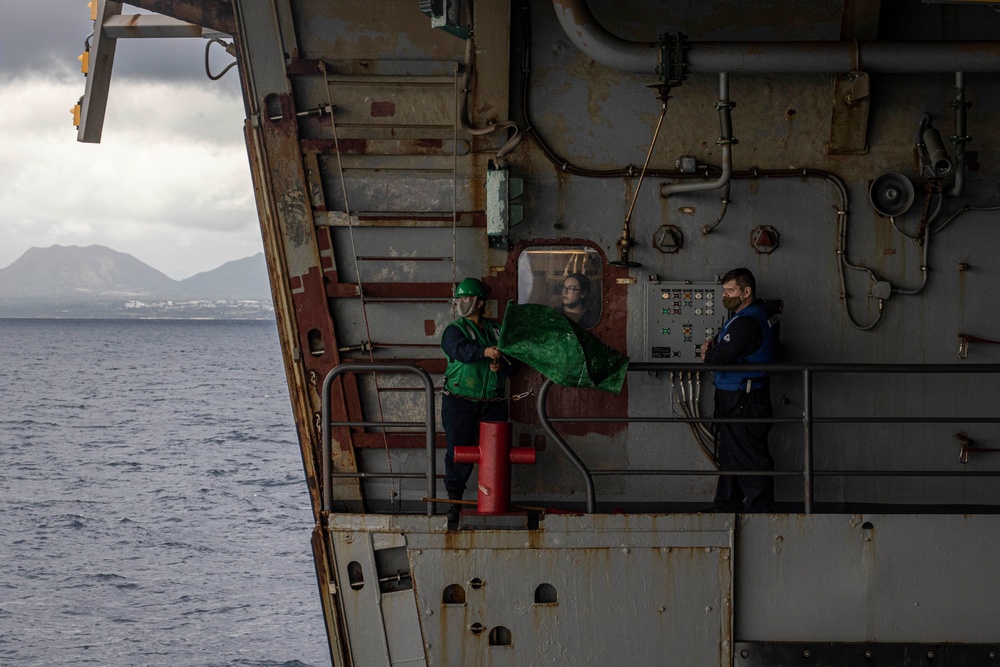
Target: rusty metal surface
214 14
851 95
392 193
646 585
149 26
849 124
396 175
326 579
821 579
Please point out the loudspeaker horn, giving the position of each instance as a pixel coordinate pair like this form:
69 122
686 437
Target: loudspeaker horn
891 194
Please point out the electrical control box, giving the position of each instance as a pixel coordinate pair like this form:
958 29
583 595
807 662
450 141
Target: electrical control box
679 317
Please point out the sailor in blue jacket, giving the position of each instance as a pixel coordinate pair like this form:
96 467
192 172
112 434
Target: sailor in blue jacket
750 336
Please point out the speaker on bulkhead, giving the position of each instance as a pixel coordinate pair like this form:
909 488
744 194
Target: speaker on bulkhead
891 194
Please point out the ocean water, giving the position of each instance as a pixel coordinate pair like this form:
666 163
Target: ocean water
153 508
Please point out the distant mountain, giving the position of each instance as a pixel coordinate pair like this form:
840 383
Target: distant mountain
71 274
72 271
240 279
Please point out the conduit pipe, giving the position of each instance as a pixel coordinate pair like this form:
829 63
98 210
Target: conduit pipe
463 115
924 239
726 140
960 105
808 57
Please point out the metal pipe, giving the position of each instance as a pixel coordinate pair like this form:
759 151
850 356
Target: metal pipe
570 454
726 140
377 475
815 57
960 139
773 420
961 369
840 57
625 472
807 441
925 242
619 472
325 424
590 37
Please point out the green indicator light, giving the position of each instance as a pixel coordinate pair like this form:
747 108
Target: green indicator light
665 332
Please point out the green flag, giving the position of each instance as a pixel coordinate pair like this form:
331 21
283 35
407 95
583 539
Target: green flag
559 349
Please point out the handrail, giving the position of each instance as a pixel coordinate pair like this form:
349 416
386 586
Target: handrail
570 454
807 420
326 425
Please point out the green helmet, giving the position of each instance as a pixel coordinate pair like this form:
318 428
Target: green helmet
472 287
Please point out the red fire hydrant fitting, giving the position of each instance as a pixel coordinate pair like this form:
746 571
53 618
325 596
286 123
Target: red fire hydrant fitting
495 457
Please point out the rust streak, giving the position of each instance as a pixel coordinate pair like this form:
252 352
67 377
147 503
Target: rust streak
215 15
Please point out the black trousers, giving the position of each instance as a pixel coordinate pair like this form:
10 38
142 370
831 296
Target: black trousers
461 418
744 447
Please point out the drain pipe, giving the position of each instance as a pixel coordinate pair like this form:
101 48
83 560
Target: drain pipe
726 140
960 138
815 57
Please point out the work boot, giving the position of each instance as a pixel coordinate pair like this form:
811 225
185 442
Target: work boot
455 510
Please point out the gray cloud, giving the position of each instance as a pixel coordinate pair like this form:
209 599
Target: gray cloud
169 182
45 37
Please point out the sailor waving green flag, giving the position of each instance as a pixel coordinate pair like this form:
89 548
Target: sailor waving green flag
559 349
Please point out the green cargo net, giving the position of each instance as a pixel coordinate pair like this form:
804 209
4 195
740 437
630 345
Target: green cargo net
559 349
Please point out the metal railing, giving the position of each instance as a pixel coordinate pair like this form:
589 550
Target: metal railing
807 421
428 424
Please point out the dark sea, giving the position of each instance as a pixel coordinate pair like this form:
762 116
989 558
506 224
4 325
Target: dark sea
153 508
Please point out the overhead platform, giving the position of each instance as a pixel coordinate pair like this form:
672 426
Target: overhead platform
110 25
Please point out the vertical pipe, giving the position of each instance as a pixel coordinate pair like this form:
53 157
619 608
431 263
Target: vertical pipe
807 441
726 140
431 453
960 105
725 118
325 421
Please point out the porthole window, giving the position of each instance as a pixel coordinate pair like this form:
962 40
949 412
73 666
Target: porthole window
566 278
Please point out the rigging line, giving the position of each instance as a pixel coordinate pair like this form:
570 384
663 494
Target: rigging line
663 112
454 183
357 270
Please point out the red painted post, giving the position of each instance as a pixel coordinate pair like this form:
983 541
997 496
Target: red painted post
495 456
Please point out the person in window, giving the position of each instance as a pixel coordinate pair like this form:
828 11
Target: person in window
576 302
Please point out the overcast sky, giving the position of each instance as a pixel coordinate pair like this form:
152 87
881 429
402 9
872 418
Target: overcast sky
169 183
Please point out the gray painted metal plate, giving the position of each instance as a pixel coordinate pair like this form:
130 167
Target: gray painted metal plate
600 589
